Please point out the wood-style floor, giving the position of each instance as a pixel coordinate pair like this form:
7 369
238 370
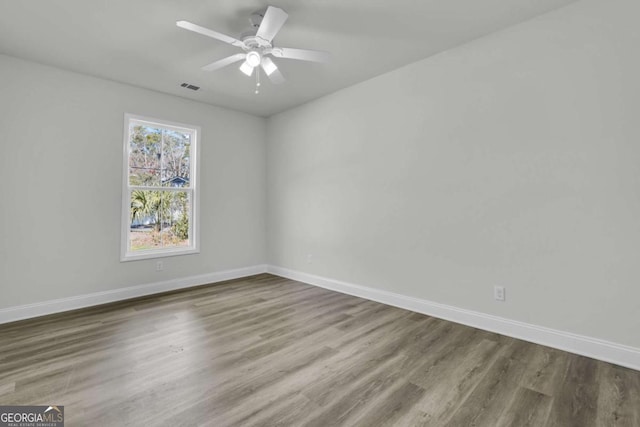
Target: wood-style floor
268 351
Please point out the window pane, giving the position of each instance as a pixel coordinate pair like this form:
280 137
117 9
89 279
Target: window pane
176 168
145 144
176 212
159 219
145 220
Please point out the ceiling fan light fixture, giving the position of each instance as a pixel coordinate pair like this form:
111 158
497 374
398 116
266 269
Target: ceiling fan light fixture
246 68
253 58
268 66
257 46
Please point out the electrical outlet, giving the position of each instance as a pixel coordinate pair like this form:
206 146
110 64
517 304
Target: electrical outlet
309 258
499 293
159 266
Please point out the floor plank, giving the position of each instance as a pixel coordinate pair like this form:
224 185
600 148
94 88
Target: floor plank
618 397
527 409
575 401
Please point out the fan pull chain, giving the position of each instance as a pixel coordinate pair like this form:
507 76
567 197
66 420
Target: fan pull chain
257 80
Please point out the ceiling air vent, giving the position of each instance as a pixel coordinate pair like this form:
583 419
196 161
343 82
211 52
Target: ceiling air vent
190 86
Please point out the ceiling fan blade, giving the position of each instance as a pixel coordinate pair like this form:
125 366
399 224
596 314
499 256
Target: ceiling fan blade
210 33
271 23
224 62
271 70
301 54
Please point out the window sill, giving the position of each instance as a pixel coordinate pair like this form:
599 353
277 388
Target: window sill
136 256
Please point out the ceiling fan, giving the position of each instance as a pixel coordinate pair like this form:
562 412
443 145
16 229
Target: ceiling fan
258 46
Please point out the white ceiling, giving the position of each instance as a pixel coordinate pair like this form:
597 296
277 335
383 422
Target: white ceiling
137 41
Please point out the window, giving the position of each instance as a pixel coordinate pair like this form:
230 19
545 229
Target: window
160 197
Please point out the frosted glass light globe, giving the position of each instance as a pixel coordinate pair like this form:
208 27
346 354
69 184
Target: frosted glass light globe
253 58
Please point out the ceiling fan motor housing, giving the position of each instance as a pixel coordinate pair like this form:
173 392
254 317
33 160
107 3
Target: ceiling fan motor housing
254 42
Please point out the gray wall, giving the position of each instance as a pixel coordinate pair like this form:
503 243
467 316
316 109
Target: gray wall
61 175
513 160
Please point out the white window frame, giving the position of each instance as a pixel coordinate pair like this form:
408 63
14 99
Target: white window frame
194 220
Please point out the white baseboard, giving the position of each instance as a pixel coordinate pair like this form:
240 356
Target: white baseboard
579 344
12 314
